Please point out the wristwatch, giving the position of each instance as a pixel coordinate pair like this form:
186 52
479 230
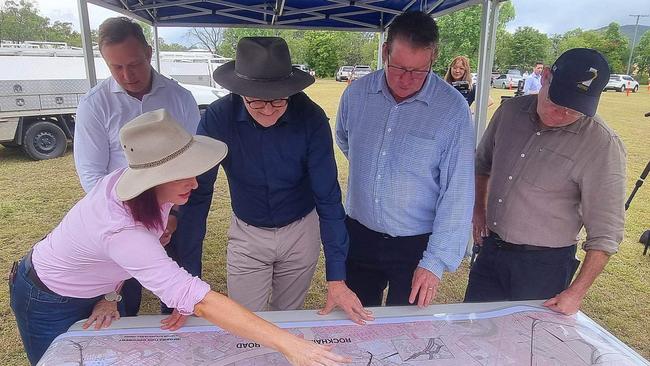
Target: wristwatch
113 296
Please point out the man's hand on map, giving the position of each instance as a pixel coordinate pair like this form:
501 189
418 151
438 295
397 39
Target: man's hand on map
339 295
174 321
424 285
566 302
169 230
103 314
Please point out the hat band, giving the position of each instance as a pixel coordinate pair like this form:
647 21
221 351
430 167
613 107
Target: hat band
245 77
163 160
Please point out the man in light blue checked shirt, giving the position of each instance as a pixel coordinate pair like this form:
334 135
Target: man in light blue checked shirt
409 140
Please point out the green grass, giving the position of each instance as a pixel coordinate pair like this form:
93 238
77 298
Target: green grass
36 195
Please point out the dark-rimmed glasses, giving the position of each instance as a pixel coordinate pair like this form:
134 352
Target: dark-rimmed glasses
413 73
261 103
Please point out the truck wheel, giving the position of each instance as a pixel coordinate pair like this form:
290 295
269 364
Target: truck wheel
44 140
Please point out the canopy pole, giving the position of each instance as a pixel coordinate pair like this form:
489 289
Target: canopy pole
156 47
489 21
380 61
87 43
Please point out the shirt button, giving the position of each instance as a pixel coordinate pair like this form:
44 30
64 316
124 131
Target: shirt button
383 153
523 155
379 176
376 201
510 177
500 200
538 133
495 223
390 129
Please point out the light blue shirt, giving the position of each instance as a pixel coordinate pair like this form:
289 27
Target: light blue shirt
411 164
533 84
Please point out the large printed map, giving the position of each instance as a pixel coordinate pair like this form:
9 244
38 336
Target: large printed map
513 336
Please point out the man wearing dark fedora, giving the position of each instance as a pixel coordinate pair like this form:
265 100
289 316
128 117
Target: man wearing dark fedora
283 185
546 167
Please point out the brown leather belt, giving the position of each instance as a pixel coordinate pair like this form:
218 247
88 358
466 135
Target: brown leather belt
31 273
501 244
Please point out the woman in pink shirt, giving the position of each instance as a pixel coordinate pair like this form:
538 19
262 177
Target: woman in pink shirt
113 233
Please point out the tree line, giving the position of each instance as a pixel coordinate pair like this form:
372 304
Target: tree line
325 51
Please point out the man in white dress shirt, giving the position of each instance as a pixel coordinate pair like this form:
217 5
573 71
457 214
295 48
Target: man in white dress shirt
133 88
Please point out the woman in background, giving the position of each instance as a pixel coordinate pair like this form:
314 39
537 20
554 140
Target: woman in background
459 75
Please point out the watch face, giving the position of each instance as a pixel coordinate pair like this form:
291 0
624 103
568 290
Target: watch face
113 296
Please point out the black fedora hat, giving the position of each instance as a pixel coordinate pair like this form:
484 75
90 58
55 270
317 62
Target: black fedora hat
262 69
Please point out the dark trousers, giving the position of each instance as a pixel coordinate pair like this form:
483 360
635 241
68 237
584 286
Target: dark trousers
131 297
503 272
377 260
187 256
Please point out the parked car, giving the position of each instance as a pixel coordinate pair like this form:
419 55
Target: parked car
506 81
344 73
621 82
205 95
475 79
305 68
359 71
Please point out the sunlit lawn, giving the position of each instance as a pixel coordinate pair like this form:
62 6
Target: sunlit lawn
35 196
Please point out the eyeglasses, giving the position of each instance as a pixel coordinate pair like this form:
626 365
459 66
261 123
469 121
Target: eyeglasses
401 71
261 103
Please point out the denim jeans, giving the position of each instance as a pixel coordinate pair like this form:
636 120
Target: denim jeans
42 316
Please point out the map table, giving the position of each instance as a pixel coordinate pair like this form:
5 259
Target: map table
503 333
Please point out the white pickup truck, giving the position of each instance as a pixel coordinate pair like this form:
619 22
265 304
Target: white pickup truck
39 96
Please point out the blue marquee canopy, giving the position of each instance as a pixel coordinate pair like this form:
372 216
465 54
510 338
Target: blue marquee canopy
344 15
359 15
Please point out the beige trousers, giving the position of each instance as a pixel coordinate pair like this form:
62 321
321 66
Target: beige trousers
272 268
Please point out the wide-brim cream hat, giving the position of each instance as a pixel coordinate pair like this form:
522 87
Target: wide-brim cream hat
159 150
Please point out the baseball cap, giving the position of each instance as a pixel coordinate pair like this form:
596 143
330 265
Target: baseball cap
579 77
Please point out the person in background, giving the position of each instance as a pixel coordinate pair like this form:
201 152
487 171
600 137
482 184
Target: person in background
133 88
112 234
534 82
546 167
459 75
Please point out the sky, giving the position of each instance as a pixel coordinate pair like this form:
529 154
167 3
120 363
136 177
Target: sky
547 16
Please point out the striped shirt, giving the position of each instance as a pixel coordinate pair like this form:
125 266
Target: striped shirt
410 164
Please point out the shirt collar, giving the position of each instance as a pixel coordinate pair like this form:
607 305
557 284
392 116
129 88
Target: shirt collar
380 85
157 82
531 108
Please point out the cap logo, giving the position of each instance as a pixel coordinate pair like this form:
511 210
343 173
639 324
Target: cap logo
585 84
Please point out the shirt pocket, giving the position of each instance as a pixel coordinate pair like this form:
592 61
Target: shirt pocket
417 155
549 171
